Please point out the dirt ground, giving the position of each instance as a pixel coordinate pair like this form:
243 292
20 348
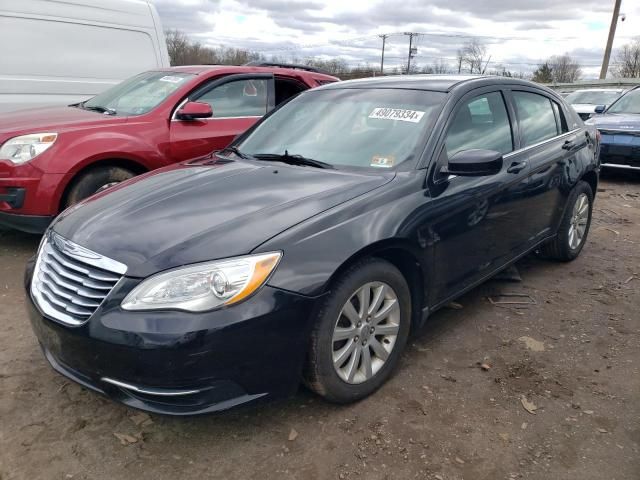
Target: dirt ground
572 359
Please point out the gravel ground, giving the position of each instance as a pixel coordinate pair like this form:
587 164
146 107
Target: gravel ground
559 397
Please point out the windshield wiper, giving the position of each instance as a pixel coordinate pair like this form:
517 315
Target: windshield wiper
286 157
236 151
98 108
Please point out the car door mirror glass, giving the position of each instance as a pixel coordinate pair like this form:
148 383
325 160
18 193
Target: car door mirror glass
600 108
194 111
475 163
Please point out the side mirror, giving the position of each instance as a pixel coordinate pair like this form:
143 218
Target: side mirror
600 108
475 163
194 111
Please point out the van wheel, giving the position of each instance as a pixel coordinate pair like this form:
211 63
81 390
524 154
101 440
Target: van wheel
94 181
574 227
360 332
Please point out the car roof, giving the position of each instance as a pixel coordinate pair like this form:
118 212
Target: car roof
437 83
227 69
598 90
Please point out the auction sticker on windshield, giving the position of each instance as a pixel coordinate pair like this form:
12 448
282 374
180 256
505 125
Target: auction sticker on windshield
385 113
171 79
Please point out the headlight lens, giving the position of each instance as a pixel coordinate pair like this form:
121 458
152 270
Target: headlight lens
24 148
203 286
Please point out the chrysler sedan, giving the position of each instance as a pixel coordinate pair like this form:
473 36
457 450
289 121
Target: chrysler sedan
311 248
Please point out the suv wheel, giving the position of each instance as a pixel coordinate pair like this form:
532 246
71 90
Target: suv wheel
94 181
574 226
360 332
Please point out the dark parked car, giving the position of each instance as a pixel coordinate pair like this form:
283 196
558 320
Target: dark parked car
314 245
619 126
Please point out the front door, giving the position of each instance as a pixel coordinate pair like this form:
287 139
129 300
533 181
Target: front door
481 224
237 101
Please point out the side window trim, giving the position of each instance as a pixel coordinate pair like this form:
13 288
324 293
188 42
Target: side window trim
216 82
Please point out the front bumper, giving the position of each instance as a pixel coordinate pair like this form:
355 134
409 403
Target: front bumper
29 198
620 150
182 363
25 223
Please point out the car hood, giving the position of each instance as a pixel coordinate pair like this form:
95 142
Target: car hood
200 212
616 121
56 119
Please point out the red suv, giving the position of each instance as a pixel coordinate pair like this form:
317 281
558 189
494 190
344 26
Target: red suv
51 158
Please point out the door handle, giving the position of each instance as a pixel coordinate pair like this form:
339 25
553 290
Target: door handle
517 167
569 144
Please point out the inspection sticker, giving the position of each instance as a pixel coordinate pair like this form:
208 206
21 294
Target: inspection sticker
383 162
170 79
385 113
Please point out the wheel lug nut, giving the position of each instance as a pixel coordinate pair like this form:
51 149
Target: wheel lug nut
359 324
373 329
356 339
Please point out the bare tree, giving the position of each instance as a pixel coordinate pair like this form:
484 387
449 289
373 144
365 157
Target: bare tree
440 66
628 60
472 55
564 69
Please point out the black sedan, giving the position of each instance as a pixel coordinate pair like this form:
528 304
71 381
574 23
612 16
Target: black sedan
310 249
619 126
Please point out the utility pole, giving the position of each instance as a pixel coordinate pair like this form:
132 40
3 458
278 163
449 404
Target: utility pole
384 40
412 50
612 33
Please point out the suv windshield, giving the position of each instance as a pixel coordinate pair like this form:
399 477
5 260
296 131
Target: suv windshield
629 103
372 128
592 97
138 94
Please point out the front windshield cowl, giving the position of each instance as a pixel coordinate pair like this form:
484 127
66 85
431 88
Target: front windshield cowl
363 128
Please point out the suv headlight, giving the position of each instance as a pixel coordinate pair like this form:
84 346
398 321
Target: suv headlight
204 286
24 148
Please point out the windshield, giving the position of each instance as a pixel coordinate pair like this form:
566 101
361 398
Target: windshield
137 95
592 97
372 128
629 103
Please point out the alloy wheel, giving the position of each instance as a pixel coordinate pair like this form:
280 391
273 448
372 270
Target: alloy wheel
579 220
365 332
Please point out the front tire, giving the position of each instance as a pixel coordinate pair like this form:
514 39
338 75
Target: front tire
360 332
574 227
96 180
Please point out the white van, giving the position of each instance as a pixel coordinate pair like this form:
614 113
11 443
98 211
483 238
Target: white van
60 52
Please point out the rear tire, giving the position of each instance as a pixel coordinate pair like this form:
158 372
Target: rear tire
94 180
360 332
574 227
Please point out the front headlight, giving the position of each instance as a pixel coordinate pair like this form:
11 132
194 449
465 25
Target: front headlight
24 148
203 286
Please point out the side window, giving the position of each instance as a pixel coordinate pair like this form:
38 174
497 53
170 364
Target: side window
537 117
240 98
480 123
560 118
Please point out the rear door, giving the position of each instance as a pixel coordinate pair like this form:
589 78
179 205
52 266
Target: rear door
551 148
237 101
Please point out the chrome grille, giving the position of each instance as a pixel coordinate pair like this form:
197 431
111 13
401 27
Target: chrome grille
70 282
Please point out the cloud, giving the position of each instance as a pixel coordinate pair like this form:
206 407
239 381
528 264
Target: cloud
518 35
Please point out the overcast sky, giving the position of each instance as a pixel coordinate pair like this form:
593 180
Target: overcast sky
518 33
